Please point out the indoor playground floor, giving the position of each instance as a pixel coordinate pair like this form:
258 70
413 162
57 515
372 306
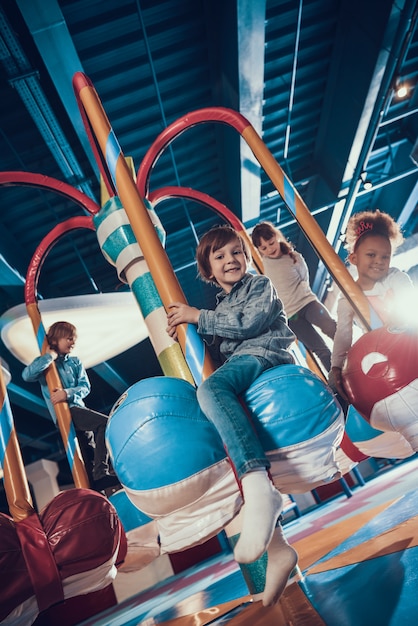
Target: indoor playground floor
358 557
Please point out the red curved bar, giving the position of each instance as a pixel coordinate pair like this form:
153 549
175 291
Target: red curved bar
165 193
38 258
209 114
29 179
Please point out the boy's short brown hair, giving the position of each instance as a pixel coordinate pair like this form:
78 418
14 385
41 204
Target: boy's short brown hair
216 238
58 330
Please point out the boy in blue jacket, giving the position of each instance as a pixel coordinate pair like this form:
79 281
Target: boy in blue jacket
61 338
249 333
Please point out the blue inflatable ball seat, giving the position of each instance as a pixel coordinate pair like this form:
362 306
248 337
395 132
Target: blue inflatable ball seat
171 462
300 425
141 532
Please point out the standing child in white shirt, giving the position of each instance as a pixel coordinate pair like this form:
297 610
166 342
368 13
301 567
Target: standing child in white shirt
289 273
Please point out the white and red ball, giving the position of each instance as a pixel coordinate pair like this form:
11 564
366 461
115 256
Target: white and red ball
381 380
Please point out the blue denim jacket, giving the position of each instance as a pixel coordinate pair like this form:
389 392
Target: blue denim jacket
72 374
249 320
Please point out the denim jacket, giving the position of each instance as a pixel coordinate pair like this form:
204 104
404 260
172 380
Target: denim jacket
72 374
249 320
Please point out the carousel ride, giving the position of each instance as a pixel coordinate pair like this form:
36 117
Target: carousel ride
177 480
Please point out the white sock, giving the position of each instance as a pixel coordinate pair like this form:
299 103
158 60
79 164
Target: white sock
262 506
282 560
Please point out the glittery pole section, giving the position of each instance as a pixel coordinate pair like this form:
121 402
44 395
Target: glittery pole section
173 364
254 573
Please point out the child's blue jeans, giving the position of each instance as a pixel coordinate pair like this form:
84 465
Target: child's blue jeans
219 401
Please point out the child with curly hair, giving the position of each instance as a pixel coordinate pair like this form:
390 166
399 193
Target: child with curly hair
371 239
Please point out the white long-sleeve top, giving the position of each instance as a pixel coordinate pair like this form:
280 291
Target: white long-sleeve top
382 298
291 280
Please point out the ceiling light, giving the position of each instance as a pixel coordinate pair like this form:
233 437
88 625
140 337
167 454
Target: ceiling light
367 184
272 194
401 90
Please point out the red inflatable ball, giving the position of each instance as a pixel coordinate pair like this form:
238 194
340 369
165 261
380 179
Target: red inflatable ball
87 542
381 380
83 530
379 364
15 583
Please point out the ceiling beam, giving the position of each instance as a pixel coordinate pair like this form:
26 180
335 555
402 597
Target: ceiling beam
251 20
354 86
48 28
110 376
27 400
236 36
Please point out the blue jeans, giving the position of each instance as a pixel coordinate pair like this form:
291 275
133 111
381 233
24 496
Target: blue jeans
218 398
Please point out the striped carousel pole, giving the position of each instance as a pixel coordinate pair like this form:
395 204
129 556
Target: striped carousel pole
309 225
165 280
11 462
121 249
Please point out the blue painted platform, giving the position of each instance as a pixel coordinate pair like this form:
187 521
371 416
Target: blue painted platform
379 590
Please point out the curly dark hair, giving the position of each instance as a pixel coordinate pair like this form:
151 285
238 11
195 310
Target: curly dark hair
366 223
212 240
